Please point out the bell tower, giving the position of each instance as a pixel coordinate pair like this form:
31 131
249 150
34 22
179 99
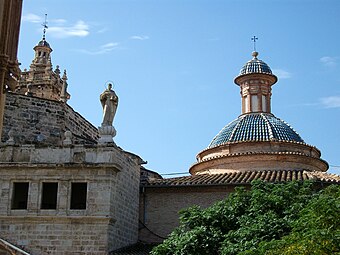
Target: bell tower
42 58
40 80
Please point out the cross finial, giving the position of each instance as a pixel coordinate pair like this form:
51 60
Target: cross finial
254 38
45 26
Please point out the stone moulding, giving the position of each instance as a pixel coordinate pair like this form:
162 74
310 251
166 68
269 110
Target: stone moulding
59 219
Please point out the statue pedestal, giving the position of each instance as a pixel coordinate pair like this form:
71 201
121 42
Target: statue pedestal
106 134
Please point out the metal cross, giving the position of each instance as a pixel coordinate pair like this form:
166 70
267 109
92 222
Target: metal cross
45 26
254 38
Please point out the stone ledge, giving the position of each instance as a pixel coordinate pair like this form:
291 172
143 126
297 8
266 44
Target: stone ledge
29 165
57 219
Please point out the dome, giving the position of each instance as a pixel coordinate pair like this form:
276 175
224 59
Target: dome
255 66
256 127
43 43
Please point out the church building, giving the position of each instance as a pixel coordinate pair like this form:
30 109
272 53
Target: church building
67 188
256 145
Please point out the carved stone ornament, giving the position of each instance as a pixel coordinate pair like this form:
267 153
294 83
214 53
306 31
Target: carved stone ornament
10 140
68 138
106 134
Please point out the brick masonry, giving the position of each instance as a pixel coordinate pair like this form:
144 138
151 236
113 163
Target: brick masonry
159 207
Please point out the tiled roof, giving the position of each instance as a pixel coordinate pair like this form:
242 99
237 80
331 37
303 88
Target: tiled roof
244 177
255 65
135 249
256 127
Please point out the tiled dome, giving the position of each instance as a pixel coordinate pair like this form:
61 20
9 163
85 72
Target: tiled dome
255 66
256 127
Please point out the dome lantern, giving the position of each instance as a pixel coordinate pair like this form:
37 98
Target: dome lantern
255 80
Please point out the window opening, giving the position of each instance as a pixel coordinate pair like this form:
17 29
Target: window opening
78 195
20 195
49 195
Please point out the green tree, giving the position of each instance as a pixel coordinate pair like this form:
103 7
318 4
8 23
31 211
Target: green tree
316 231
254 221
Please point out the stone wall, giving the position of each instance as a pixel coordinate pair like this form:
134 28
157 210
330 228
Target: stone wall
110 220
57 235
41 121
83 131
159 207
124 202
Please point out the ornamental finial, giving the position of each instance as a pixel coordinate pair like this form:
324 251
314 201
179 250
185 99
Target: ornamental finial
255 54
254 38
45 27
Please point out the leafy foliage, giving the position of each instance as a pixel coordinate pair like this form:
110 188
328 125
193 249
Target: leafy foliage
316 231
290 218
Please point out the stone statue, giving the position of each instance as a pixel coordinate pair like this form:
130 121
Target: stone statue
109 101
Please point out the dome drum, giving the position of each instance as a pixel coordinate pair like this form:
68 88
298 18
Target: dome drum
259 161
258 147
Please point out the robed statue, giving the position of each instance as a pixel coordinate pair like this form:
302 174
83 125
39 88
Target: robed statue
109 101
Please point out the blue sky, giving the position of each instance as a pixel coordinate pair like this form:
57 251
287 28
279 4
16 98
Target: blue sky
173 65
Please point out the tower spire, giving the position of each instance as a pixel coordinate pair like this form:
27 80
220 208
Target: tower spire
45 27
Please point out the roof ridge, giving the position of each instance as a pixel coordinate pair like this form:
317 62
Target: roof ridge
231 137
270 127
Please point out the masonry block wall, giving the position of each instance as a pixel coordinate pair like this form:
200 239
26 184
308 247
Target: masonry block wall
159 207
107 219
124 204
41 121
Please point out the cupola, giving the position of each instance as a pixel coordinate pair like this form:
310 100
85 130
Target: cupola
42 53
257 140
255 81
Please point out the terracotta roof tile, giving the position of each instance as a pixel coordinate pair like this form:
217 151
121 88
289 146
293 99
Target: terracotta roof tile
244 177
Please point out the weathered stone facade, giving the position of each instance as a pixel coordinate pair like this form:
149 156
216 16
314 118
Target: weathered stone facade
41 121
108 221
60 191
